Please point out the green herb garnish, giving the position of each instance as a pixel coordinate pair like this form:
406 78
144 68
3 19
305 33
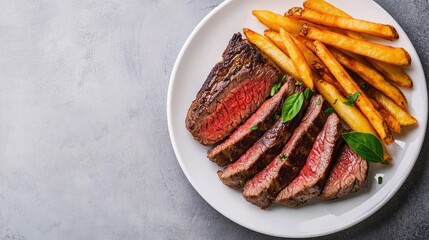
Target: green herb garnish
364 86
275 88
366 145
380 179
283 157
307 93
277 116
292 106
335 101
298 83
319 101
329 111
253 128
351 101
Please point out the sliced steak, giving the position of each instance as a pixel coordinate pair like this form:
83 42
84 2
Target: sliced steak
261 153
348 175
244 137
234 89
311 179
262 189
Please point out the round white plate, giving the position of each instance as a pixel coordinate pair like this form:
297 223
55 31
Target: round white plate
200 53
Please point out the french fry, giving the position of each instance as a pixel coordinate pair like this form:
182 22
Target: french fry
391 121
351 87
393 73
298 59
276 21
357 25
350 114
371 76
397 56
404 118
311 58
272 51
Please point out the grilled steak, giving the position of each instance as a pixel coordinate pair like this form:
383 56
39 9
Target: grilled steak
244 137
261 153
234 89
310 180
348 175
262 189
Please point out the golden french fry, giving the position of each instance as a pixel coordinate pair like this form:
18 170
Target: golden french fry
351 87
276 21
272 51
404 118
298 59
383 53
350 24
350 114
311 58
371 76
394 74
391 121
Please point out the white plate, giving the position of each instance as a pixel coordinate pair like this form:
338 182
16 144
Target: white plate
199 54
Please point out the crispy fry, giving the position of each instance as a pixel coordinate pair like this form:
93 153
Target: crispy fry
371 76
351 87
276 21
271 51
391 121
388 54
311 58
298 59
357 25
404 118
350 114
393 73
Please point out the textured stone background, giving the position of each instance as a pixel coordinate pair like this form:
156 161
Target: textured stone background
84 146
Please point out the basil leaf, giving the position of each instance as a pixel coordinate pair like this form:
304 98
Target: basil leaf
366 145
275 88
319 101
307 93
351 101
291 106
254 128
329 111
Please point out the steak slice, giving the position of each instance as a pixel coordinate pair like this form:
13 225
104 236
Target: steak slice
244 137
262 189
261 153
348 175
234 89
310 180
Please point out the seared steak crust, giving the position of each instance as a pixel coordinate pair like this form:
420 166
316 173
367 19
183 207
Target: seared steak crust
234 89
348 175
261 153
262 189
311 178
244 137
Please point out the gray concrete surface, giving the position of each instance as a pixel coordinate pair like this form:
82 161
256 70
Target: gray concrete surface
84 145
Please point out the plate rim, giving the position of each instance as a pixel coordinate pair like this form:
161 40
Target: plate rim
396 185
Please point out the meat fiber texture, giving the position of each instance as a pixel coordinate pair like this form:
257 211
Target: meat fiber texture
348 175
311 179
234 89
247 134
262 189
261 153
